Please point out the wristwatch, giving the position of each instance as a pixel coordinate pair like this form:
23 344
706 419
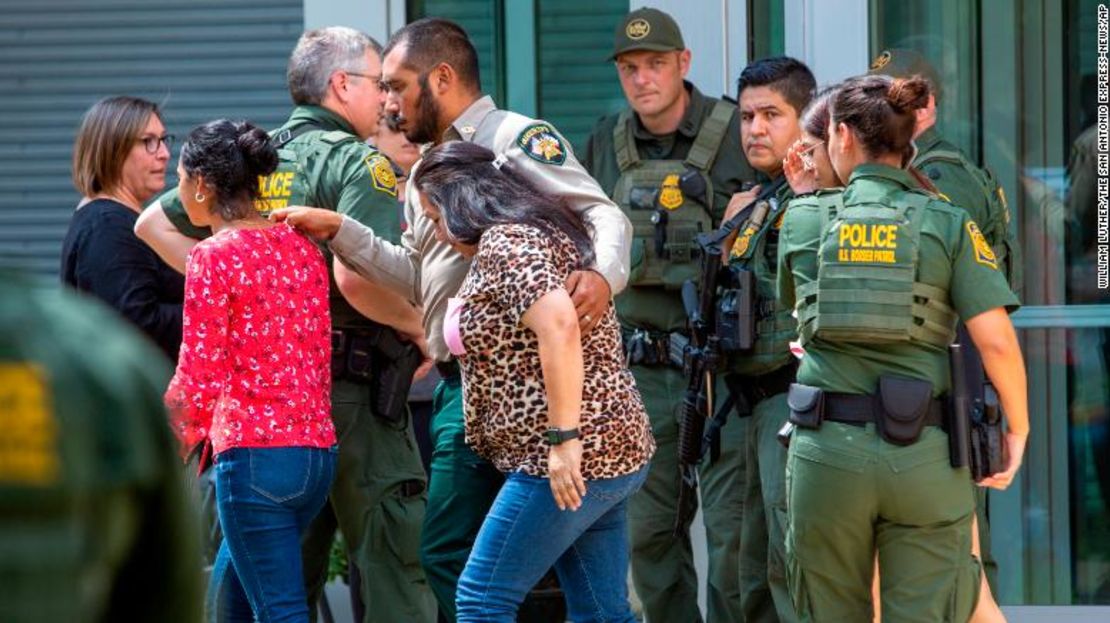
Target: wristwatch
556 436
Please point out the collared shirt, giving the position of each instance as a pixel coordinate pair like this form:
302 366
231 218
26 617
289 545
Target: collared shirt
430 272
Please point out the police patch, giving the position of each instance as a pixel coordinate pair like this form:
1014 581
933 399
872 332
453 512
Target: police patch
29 452
381 173
637 29
542 144
670 195
983 252
880 61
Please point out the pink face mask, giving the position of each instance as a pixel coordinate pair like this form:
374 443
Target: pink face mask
451 333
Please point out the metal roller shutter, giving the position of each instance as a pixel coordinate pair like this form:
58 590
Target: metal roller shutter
482 20
577 83
203 59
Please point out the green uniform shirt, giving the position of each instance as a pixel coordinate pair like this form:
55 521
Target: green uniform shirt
952 180
94 521
758 251
350 177
655 307
951 257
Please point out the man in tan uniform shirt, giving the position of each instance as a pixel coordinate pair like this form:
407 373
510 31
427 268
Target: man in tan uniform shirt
430 71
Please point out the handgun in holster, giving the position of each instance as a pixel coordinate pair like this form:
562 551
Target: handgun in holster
976 432
377 357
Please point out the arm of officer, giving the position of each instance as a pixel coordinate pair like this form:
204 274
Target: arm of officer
164 227
555 170
982 297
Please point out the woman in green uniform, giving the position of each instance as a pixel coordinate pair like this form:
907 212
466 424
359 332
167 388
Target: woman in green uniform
879 275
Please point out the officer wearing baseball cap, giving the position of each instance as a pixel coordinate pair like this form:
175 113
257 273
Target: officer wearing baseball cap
647 29
671 161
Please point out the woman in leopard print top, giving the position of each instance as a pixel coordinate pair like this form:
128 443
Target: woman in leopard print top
529 378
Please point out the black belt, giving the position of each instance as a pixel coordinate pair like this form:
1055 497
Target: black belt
861 409
449 369
755 389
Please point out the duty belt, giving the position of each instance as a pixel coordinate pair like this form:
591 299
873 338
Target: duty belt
861 409
754 389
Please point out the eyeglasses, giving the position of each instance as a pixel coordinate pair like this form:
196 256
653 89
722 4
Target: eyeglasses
812 146
152 143
377 80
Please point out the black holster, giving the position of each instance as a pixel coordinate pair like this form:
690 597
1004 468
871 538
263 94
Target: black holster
736 311
987 454
377 357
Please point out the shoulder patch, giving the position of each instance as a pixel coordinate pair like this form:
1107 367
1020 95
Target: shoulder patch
881 60
542 144
29 456
983 252
381 173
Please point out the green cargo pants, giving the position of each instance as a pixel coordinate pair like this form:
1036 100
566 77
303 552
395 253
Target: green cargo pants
852 494
462 488
763 538
377 501
662 565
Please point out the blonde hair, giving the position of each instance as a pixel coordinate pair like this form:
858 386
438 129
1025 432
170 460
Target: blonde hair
108 132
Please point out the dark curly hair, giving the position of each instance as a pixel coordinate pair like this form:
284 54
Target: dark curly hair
473 195
881 111
231 155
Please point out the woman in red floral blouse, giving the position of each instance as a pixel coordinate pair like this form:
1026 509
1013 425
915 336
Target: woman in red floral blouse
253 379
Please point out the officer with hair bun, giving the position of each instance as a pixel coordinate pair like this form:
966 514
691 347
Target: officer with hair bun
879 275
958 180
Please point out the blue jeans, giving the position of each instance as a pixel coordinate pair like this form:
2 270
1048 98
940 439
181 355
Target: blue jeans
265 497
525 534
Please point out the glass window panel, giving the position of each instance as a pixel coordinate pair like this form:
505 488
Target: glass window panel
944 32
1089 463
766 35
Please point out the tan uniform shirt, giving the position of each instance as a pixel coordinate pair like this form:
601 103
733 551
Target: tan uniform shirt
430 272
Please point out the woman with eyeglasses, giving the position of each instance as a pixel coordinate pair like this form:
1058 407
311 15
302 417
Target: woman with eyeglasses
119 163
881 274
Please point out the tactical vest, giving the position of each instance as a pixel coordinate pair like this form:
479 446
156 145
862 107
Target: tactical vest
866 289
997 230
665 219
774 327
293 182
289 184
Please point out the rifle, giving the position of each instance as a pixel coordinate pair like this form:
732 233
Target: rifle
700 356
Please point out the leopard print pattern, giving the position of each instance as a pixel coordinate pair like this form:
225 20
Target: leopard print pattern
503 391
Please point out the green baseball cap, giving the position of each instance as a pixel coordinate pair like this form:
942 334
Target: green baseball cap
647 29
903 63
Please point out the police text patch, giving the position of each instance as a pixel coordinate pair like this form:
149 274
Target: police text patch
274 191
983 252
868 243
381 172
542 144
29 445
